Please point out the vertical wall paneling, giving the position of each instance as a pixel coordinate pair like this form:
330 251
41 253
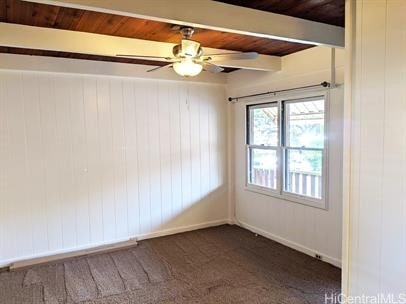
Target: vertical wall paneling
43 92
204 146
131 157
394 166
80 161
119 156
90 160
16 137
304 228
154 161
175 150
377 234
355 159
143 155
3 158
403 92
165 148
185 139
3 140
65 173
372 162
106 157
33 165
93 157
195 143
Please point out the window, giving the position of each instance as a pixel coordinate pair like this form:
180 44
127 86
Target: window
286 149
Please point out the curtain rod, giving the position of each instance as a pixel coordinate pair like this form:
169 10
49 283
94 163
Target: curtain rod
324 84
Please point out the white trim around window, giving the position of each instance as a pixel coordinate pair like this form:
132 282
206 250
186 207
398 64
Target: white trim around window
277 187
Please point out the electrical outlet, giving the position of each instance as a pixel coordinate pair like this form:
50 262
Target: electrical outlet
318 256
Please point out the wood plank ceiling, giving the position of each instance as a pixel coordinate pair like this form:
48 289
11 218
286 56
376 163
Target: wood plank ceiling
34 14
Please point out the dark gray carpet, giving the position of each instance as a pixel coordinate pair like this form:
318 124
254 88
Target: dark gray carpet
224 264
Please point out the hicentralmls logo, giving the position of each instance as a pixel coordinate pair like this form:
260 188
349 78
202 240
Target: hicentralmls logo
380 298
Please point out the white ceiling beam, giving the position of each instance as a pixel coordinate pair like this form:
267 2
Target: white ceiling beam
40 38
88 67
216 16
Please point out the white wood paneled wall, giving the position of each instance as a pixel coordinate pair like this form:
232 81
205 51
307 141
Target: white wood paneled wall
304 228
308 229
377 208
88 160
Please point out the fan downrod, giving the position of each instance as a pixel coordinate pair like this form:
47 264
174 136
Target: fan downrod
187 32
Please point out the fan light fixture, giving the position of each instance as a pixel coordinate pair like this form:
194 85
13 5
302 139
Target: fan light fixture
187 67
188 59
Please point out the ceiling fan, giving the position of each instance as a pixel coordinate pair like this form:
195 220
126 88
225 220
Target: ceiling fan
188 58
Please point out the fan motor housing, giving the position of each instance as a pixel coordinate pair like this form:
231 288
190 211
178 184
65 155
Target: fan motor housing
177 51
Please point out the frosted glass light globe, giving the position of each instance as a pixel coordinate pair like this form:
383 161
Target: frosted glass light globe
187 68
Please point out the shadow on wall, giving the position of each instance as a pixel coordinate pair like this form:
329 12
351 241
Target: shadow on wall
208 209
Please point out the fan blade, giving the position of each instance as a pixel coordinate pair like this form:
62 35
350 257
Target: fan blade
231 56
158 58
212 68
160 67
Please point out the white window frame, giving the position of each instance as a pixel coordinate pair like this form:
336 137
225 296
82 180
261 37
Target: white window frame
279 191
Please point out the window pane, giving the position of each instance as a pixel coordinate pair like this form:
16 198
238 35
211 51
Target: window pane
264 126
305 124
303 173
263 171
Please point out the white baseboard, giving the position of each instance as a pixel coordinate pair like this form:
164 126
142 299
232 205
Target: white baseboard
182 229
290 244
122 243
63 256
102 246
78 250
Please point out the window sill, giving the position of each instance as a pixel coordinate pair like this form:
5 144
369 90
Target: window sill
315 203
